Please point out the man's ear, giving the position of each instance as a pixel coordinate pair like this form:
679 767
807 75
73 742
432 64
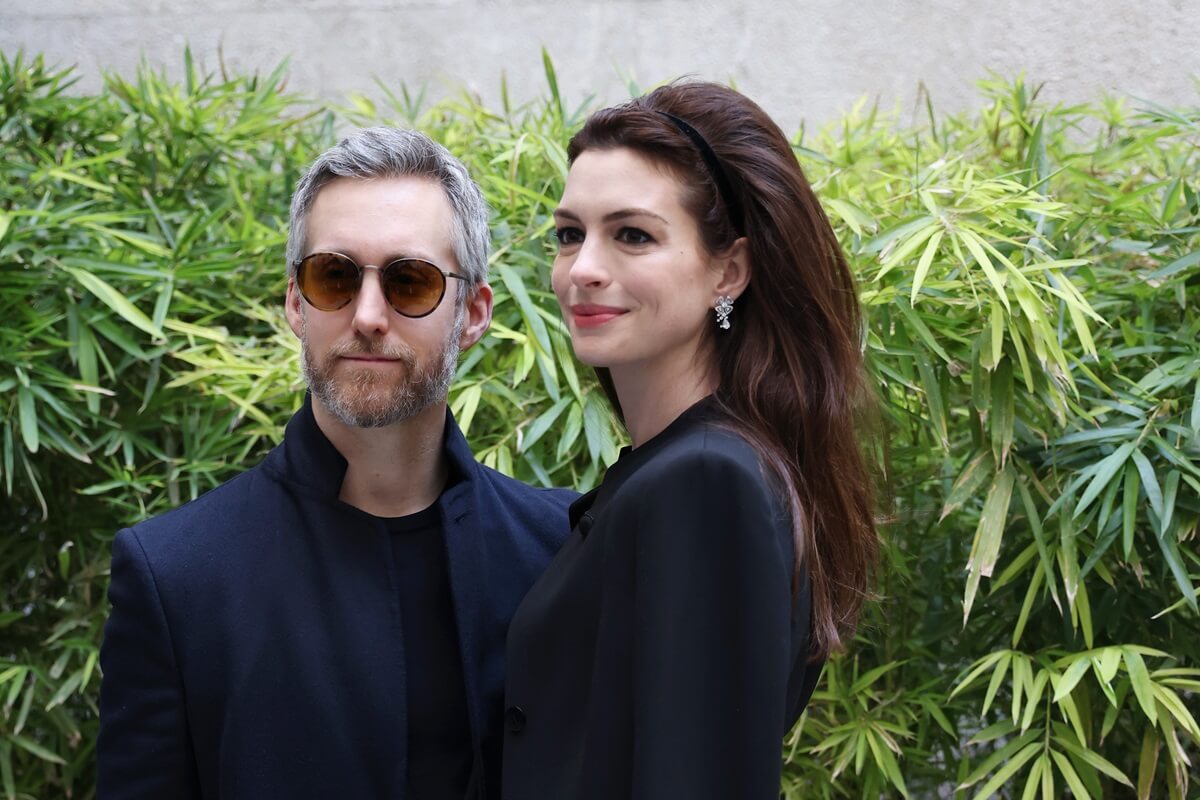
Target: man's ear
735 268
291 306
479 315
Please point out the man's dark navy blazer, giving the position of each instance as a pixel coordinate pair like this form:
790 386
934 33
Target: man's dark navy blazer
255 647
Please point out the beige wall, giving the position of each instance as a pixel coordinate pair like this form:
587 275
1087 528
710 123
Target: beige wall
801 60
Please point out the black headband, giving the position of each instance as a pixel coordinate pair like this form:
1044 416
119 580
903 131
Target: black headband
724 187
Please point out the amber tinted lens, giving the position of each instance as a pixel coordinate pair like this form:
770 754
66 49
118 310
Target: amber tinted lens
413 287
328 281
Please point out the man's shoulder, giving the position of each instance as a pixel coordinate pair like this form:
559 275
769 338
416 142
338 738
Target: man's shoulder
212 511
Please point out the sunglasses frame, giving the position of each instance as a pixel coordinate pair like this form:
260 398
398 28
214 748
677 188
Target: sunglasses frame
299 263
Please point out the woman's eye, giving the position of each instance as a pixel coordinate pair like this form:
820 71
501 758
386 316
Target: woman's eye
568 236
634 236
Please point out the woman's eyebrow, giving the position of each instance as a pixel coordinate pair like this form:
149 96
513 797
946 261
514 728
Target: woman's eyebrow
612 216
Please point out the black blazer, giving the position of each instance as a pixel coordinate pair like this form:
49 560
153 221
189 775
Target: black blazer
663 653
255 647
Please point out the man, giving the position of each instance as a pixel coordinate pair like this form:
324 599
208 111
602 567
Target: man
331 623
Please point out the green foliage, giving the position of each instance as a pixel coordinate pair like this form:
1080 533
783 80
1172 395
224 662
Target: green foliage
1030 276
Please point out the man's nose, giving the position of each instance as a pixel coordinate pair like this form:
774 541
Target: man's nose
372 314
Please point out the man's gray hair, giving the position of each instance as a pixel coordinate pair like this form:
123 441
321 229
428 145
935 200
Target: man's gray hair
383 152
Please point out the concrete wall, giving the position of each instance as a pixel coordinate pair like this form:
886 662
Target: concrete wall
801 60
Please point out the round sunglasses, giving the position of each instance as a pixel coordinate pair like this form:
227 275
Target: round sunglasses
413 287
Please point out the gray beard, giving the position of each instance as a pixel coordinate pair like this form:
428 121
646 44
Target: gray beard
367 400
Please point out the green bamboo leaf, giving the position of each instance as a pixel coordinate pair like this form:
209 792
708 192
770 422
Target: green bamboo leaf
116 301
1068 772
1033 780
1031 594
1195 418
27 417
903 249
1175 707
1169 547
1143 689
1000 756
918 326
1095 760
570 431
1082 329
1170 490
1149 482
976 247
994 350
1105 471
923 265
516 288
37 749
68 688
887 763
1071 676
552 82
993 732
855 218
988 535
1129 503
888 237
1070 710
933 396
1147 763
1010 768
1022 358
935 712
89 372
6 770
1175 267
1048 792
593 422
978 668
994 684
543 423
1002 411
869 677
969 482
1108 663
1039 536
465 405
137 240
1083 611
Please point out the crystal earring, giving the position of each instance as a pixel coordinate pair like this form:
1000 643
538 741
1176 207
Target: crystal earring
724 307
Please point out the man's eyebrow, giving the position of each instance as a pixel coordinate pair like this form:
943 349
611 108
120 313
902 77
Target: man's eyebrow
612 216
400 255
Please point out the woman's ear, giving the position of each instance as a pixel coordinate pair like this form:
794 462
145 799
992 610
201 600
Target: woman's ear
735 266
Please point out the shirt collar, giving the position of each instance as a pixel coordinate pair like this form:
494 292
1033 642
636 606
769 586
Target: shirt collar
310 459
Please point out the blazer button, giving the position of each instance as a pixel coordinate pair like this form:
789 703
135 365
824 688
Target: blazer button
514 719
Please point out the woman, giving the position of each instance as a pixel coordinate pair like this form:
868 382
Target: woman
678 634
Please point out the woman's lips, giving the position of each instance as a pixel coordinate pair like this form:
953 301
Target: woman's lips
587 315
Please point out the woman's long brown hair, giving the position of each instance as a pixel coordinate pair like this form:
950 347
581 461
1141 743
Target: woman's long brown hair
791 375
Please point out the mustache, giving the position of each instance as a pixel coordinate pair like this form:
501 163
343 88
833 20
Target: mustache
364 347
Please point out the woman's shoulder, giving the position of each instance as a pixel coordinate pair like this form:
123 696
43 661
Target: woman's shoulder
706 488
705 456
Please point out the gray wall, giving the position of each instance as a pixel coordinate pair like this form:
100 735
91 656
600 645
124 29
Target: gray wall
801 60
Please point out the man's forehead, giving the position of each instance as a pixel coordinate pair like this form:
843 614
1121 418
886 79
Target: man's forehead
409 216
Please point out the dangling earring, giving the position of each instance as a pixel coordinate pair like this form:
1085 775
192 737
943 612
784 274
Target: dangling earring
724 308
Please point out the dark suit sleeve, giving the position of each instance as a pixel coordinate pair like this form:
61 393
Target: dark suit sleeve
144 750
711 632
